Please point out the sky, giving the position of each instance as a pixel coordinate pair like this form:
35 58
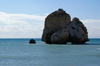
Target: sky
25 18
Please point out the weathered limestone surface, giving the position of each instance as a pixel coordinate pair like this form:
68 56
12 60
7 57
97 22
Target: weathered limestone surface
77 32
55 21
60 37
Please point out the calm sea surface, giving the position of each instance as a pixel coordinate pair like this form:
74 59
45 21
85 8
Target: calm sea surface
18 52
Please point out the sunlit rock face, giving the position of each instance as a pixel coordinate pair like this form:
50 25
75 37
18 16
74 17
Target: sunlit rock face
54 22
59 29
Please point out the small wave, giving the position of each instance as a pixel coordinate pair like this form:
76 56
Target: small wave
98 48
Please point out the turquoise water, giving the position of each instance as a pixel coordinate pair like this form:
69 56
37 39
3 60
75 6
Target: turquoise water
18 52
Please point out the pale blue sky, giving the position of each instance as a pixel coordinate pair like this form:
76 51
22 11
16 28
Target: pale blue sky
25 18
85 9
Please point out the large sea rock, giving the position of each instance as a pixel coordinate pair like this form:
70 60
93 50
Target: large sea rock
59 29
77 32
54 22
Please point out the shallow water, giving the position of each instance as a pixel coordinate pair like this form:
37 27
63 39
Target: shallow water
18 52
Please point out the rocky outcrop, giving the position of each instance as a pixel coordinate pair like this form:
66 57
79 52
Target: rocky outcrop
59 29
32 41
77 32
60 37
54 22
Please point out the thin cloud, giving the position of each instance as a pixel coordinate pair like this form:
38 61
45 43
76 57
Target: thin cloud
19 26
17 18
93 27
46 14
90 21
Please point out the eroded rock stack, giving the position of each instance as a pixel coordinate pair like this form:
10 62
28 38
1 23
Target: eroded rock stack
54 22
59 29
77 32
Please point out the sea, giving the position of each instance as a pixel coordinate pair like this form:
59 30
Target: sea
18 52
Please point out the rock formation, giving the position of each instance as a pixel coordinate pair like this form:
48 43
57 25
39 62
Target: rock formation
55 21
32 41
59 29
77 32
60 37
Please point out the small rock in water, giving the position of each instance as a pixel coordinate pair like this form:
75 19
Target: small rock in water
32 41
